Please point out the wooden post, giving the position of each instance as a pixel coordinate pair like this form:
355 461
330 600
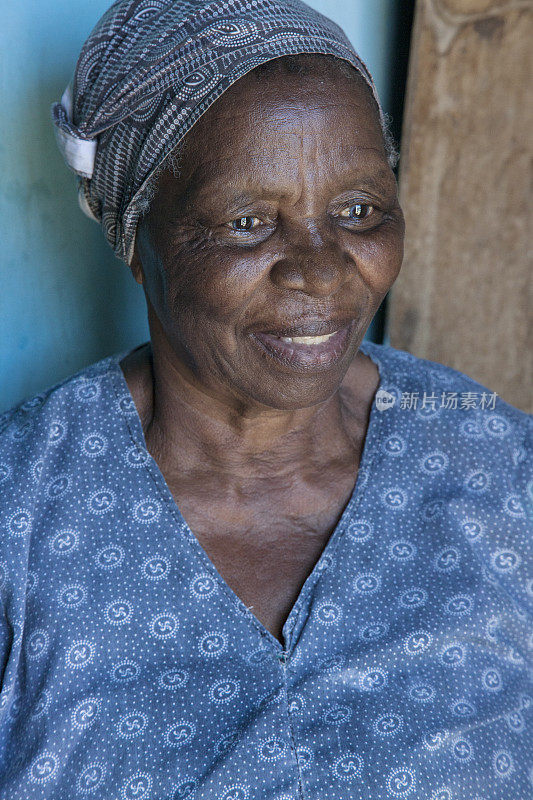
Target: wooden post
464 295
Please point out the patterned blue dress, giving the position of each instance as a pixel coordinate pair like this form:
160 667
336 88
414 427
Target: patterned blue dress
131 671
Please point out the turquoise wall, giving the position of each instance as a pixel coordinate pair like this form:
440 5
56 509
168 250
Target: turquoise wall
65 299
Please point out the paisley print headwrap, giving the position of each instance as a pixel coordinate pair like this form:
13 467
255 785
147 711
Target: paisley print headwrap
149 70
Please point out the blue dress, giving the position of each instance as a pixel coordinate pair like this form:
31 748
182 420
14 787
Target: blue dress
130 670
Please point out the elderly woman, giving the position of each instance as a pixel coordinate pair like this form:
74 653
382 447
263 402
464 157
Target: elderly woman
257 558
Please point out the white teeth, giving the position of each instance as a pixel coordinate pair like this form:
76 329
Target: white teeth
307 339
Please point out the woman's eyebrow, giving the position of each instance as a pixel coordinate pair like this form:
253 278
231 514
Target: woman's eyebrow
372 182
241 199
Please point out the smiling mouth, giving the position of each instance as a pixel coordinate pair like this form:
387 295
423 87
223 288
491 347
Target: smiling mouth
306 352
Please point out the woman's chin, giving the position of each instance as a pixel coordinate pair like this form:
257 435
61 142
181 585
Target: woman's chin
286 389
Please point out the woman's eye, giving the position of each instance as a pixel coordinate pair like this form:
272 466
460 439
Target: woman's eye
244 223
358 211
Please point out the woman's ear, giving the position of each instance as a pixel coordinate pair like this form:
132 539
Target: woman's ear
136 267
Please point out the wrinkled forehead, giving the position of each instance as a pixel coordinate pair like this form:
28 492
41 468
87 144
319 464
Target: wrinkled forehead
263 117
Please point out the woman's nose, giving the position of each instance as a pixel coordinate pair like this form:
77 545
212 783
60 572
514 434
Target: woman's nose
312 264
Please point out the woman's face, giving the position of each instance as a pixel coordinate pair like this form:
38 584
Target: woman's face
283 221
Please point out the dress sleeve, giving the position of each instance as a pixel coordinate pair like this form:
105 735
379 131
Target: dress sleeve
16 503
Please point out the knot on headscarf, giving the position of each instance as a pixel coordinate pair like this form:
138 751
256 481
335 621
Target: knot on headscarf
78 151
149 70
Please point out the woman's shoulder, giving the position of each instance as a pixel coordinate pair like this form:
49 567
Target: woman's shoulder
36 432
461 463
419 383
63 453
437 408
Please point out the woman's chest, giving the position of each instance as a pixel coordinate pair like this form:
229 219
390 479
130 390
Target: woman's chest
265 553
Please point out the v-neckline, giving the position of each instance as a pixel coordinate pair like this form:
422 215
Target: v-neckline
134 425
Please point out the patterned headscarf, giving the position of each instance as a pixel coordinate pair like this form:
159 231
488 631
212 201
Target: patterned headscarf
149 70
